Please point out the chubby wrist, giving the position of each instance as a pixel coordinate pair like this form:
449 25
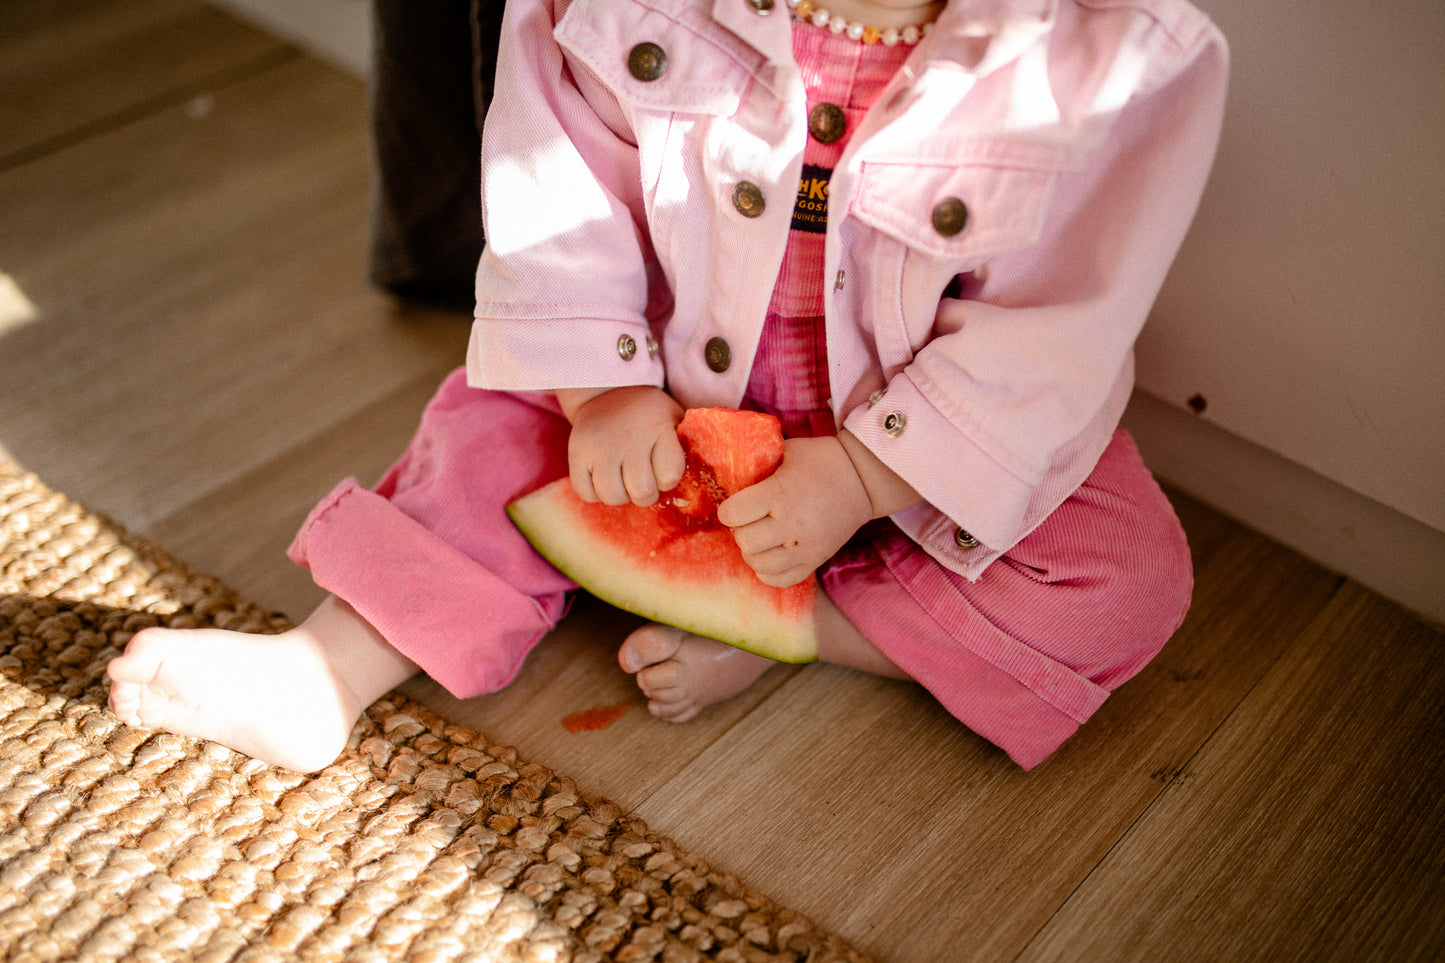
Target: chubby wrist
887 491
572 400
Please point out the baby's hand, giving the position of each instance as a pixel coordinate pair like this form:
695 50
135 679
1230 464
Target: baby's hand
793 521
623 445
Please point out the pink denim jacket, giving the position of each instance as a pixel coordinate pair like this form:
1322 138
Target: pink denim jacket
998 227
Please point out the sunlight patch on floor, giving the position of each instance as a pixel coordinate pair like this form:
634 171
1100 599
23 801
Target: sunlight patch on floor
16 309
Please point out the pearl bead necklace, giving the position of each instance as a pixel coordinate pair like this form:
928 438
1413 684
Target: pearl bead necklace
818 17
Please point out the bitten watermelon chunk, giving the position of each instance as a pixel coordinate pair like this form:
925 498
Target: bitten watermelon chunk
674 562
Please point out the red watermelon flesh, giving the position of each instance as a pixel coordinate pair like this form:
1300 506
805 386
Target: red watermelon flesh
739 448
673 561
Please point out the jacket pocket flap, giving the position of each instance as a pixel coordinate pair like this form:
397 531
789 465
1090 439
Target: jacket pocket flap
696 75
1000 206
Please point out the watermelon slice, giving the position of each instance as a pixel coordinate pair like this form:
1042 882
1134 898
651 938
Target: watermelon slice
674 562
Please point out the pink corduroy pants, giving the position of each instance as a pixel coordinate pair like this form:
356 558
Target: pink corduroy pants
1022 656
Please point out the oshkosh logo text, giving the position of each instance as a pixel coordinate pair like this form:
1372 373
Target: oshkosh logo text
813 189
810 213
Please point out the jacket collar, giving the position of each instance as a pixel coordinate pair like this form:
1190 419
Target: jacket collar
769 33
983 35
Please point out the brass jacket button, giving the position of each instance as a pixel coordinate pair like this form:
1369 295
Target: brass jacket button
964 540
827 123
647 61
627 347
748 199
950 216
718 355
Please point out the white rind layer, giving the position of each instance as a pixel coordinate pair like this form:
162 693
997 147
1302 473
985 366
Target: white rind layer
736 609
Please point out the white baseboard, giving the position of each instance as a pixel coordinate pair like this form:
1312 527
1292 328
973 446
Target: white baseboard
1388 552
336 31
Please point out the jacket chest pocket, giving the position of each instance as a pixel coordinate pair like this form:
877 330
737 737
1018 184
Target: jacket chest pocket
655 58
962 214
933 223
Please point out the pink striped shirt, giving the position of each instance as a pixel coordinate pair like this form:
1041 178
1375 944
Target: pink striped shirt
790 371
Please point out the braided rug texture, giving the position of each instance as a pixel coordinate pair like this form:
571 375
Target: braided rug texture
421 843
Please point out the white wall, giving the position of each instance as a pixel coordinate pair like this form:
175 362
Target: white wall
1306 307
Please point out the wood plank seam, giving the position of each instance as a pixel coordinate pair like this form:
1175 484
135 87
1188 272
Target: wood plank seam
146 107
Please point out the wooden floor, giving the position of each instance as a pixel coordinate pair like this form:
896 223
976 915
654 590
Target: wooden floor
188 344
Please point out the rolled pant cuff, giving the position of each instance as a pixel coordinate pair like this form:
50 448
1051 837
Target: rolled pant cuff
464 625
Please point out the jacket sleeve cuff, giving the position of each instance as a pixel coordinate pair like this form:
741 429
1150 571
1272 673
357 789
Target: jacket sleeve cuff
544 355
957 477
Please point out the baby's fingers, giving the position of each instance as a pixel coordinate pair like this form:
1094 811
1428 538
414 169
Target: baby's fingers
786 578
581 476
638 482
606 480
649 471
744 508
756 538
778 567
668 462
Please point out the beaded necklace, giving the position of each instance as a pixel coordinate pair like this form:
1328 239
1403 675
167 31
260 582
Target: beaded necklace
815 14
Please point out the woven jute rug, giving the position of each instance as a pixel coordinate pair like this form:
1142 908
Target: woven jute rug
422 842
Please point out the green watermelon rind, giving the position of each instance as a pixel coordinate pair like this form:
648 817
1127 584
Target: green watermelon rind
734 608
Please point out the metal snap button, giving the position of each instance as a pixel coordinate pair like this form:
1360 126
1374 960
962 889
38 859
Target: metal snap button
718 355
964 540
652 347
827 123
838 281
748 199
626 347
647 61
875 397
761 6
950 216
893 423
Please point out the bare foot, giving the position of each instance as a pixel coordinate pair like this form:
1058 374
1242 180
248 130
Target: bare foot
683 674
279 698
